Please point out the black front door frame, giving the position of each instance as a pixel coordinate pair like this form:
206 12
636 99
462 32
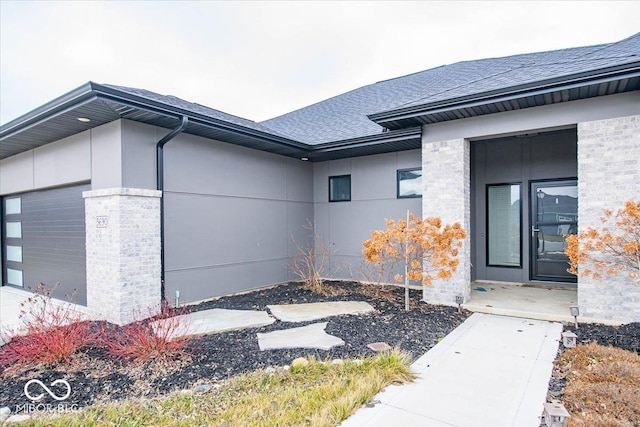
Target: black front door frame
545 230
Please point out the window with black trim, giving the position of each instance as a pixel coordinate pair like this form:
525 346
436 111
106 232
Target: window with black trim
409 183
504 225
340 188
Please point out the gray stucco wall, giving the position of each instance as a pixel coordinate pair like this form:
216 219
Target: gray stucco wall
139 154
94 155
59 163
344 226
230 216
512 160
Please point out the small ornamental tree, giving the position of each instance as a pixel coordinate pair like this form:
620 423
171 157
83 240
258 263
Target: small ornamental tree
427 248
612 250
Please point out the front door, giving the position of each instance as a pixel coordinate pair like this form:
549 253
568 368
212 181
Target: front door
554 214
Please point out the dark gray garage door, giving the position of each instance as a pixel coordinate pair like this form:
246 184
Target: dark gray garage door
43 236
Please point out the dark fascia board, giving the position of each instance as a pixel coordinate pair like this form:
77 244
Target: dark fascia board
628 70
363 141
92 91
173 111
66 102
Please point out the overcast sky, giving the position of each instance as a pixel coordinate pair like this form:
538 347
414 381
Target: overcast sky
262 59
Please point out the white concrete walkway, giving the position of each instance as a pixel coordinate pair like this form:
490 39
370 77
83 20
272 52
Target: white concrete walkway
10 306
490 371
11 300
542 303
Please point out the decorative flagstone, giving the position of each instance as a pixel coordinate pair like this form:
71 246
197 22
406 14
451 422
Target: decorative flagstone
379 346
213 321
310 336
318 310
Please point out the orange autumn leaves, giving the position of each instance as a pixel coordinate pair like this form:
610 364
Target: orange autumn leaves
429 248
614 249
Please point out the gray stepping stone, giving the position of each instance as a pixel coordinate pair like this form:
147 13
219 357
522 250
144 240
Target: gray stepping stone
379 346
317 310
310 336
212 321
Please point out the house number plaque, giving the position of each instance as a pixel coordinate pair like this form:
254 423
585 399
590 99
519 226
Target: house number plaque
102 221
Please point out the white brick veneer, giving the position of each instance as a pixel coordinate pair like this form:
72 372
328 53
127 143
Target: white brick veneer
608 175
446 193
123 254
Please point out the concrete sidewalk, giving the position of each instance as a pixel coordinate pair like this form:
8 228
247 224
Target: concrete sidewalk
11 300
490 371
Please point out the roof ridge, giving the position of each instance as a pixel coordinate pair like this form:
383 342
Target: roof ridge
459 86
468 61
505 72
610 45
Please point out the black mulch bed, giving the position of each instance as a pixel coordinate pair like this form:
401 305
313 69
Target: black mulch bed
96 377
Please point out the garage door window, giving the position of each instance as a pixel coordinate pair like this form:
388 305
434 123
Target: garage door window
14 277
13 206
14 229
14 253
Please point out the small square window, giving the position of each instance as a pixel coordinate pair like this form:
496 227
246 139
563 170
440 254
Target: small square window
14 253
14 277
13 206
409 183
14 229
340 188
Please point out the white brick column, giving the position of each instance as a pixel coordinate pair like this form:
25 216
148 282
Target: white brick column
446 193
608 175
123 253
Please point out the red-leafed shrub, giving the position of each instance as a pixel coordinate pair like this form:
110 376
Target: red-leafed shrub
51 331
161 337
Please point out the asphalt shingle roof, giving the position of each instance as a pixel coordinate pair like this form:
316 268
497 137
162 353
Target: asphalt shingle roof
345 116
196 108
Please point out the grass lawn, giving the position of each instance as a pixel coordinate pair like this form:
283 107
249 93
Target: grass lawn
311 393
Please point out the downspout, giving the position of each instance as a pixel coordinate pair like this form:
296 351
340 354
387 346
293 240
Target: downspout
160 186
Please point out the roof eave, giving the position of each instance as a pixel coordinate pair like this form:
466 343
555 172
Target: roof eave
147 104
69 100
512 93
397 140
91 92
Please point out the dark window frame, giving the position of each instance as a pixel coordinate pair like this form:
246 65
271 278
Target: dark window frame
520 217
331 200
398 172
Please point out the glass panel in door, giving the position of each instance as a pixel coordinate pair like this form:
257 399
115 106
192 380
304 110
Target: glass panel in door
554 214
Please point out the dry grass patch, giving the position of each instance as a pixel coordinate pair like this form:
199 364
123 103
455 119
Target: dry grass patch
316 394
602 386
